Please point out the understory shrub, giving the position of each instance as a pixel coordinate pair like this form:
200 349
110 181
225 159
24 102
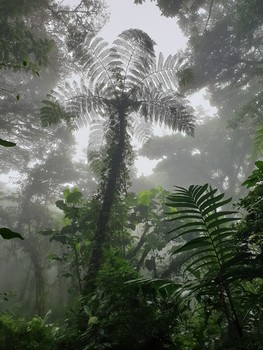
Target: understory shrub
22 334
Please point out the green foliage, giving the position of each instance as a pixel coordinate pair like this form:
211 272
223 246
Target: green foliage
8 234
120 315
19 333
75 236
249 230
256 176
209 235
222 270
210 269
20 47
168 8
146 227
7 143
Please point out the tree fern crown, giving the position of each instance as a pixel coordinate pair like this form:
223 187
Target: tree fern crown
127 77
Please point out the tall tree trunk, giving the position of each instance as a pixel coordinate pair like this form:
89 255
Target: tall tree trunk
100 235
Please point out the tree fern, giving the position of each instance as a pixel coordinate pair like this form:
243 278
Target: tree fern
121 85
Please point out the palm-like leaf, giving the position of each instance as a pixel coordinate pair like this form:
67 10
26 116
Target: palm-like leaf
211 247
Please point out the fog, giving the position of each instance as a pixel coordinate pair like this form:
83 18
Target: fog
96 136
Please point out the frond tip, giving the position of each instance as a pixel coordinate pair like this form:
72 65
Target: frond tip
166 107
52 113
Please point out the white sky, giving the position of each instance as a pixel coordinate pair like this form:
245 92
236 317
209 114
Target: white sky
124 14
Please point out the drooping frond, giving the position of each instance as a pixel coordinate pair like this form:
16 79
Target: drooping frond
168 108
53 113
95 145
141 129
78 103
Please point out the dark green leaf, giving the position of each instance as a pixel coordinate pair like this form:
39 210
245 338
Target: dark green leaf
7 143
6 233
200 242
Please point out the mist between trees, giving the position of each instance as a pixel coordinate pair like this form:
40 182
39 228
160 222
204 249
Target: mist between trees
93 256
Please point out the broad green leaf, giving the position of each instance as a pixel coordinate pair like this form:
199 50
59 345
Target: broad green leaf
61 205
7 143
6 233
144 198
74 197
66 192
259 164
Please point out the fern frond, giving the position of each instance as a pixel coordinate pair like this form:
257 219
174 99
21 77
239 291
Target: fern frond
166 107
136 53
96 142
164 73
141 130
53 113
211 244
95 62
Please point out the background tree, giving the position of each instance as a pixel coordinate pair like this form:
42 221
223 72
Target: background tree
218 155
224 48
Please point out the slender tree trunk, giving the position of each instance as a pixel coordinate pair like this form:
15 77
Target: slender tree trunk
132 254
100 235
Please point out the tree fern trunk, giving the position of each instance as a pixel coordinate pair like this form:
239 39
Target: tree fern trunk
100 235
